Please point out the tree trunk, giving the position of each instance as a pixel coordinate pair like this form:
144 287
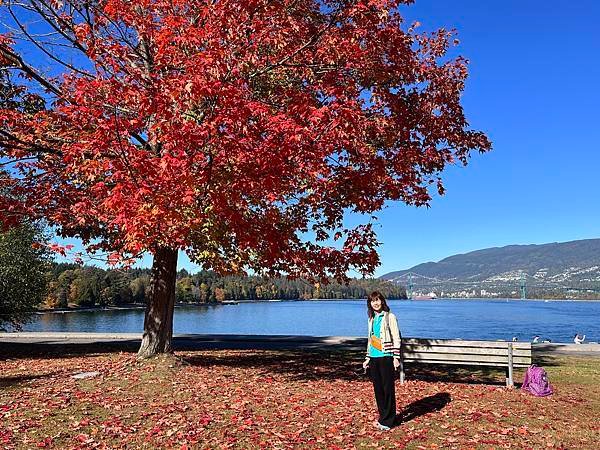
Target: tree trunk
158 321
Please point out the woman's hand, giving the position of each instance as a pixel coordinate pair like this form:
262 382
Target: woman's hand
366 363
396 363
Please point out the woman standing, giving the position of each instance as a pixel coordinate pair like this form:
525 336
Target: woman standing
383 357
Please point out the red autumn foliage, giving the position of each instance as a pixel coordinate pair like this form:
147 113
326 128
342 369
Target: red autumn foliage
229 129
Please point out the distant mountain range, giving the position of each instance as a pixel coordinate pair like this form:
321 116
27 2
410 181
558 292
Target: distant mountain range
573 266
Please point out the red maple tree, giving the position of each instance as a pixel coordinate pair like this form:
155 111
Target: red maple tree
233 130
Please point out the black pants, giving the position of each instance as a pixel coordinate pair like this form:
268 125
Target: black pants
383 376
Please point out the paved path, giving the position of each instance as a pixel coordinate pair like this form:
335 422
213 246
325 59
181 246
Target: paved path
191 341
231 341
567 349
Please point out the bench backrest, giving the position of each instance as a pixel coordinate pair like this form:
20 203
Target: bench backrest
457 351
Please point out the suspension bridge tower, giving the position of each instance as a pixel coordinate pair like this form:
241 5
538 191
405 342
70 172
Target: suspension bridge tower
409 287
523 286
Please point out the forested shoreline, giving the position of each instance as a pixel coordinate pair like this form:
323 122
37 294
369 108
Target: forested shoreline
71 285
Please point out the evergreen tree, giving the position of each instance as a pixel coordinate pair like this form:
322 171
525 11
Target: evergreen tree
23 269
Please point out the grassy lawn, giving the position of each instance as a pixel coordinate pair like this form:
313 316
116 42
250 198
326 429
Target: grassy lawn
273 399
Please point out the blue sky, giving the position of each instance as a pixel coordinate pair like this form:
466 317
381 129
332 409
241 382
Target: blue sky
533 88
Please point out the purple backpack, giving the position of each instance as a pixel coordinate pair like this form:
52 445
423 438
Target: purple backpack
536 382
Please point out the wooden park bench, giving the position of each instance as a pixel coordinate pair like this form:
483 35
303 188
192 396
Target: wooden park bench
507 355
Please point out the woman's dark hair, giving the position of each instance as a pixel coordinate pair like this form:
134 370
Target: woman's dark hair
374 296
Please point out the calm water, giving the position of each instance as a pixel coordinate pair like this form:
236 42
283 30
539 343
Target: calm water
466 319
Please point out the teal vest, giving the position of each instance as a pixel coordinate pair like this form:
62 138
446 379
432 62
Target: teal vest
376 332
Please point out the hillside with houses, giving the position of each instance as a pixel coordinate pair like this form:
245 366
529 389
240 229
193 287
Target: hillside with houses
555 270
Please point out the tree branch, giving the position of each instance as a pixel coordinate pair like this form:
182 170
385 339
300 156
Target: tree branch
313 40
31 39
63 23
26 146
18 62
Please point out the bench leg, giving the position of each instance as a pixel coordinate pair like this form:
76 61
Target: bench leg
401 368
509 368
509 377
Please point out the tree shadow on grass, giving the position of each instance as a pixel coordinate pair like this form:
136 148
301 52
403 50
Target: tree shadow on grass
54 350
13 380
423 406
340 365
546 359
299 364
296 365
